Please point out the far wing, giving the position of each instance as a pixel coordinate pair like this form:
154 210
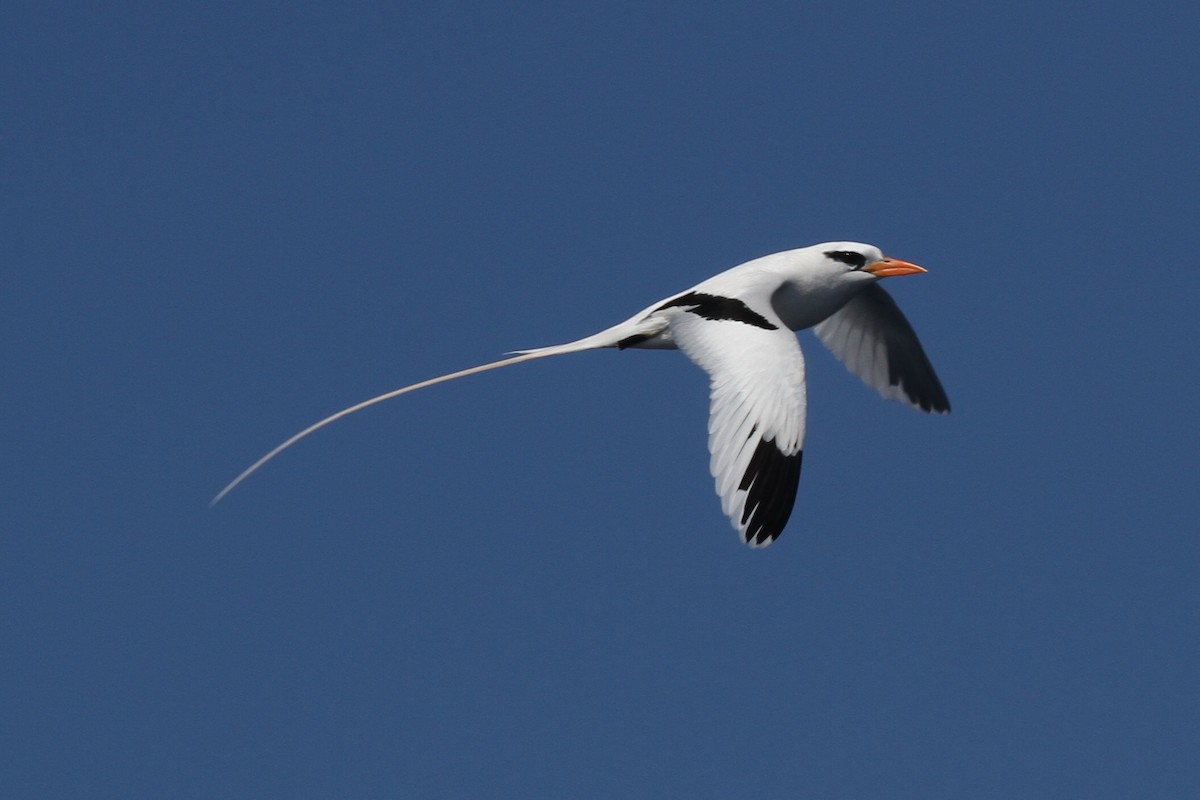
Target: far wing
757 408
873 339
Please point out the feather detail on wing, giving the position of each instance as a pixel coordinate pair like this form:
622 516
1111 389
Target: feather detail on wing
756 414
871 336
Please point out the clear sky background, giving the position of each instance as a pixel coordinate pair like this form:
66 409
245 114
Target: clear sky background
222 221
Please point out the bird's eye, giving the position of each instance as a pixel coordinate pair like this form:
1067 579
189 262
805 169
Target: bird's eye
848 257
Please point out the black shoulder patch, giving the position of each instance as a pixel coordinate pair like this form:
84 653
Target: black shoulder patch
770 484
847 257
711 306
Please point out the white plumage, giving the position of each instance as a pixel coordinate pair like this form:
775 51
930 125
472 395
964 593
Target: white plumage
737 326
756 394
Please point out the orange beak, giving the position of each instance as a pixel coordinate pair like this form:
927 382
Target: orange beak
890 267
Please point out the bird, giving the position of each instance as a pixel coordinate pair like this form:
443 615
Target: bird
739 327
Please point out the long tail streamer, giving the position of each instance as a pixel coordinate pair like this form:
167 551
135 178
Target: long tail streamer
524 356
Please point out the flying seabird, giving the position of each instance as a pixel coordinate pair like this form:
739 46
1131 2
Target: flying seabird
738 327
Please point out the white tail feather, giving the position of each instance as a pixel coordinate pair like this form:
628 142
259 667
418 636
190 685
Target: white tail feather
523 355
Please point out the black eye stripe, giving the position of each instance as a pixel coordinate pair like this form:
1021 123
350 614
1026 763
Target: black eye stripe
849 257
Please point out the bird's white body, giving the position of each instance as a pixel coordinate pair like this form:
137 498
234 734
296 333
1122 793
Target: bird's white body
737 326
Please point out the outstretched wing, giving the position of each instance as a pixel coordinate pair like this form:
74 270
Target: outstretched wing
873 339
757 407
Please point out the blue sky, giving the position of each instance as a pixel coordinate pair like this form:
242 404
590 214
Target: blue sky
223 221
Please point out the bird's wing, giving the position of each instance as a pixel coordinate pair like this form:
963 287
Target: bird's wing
757 407
873 339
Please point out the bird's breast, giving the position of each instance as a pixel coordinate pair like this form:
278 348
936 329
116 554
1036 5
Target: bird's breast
801 308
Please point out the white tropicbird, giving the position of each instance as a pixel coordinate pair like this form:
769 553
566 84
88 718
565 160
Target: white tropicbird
737 326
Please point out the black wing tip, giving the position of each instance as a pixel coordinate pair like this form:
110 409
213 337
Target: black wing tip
762 540
936 400
937 403
918 382
908 366
770 483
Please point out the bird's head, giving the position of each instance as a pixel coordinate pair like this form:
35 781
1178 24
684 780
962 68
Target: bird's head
854 262
820 279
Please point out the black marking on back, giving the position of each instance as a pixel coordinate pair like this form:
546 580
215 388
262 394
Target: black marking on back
847 257
711 306
770 484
